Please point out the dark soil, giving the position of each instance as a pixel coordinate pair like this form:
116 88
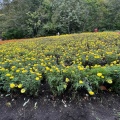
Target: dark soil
106 106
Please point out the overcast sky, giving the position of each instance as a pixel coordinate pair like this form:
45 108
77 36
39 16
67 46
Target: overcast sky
2 0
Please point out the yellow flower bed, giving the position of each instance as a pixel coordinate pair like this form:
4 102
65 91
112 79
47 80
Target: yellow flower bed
80 60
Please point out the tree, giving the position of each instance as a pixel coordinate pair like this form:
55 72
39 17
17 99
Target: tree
30 18
33 23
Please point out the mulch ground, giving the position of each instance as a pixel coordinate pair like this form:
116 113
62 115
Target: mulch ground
105 106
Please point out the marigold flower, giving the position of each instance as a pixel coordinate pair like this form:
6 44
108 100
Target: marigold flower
12 85
17 71
23 90
42 64
2 69
35 65
20 86
31 71
67 80
109 81
80 68
7 75
91 92
80 82
37 78
11 77
99 74
65 86
51 70
114 62
24 71
13 67
102 76
47 68
97 56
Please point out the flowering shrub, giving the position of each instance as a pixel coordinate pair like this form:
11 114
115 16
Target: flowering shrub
75 61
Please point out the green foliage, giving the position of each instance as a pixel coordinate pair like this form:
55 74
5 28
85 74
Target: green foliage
13 33
48 17
115 74
33 23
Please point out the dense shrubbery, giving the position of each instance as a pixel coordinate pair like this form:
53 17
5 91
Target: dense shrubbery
48 17
67 62
13 33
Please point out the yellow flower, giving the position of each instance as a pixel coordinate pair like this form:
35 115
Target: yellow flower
67 80
80 68
20 86
109 81
111 64
24 71
37 78
80 82
114 62
17 71
11 77
2 69
91 92
42 64
40 76
7 75
12 85
35 65
23 90
47 68
51 70
102 76
65 86
99 74
97 56
13 67
31 71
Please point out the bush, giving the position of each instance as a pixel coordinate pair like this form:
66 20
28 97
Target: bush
13 34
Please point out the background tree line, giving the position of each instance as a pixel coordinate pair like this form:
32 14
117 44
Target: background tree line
33 18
